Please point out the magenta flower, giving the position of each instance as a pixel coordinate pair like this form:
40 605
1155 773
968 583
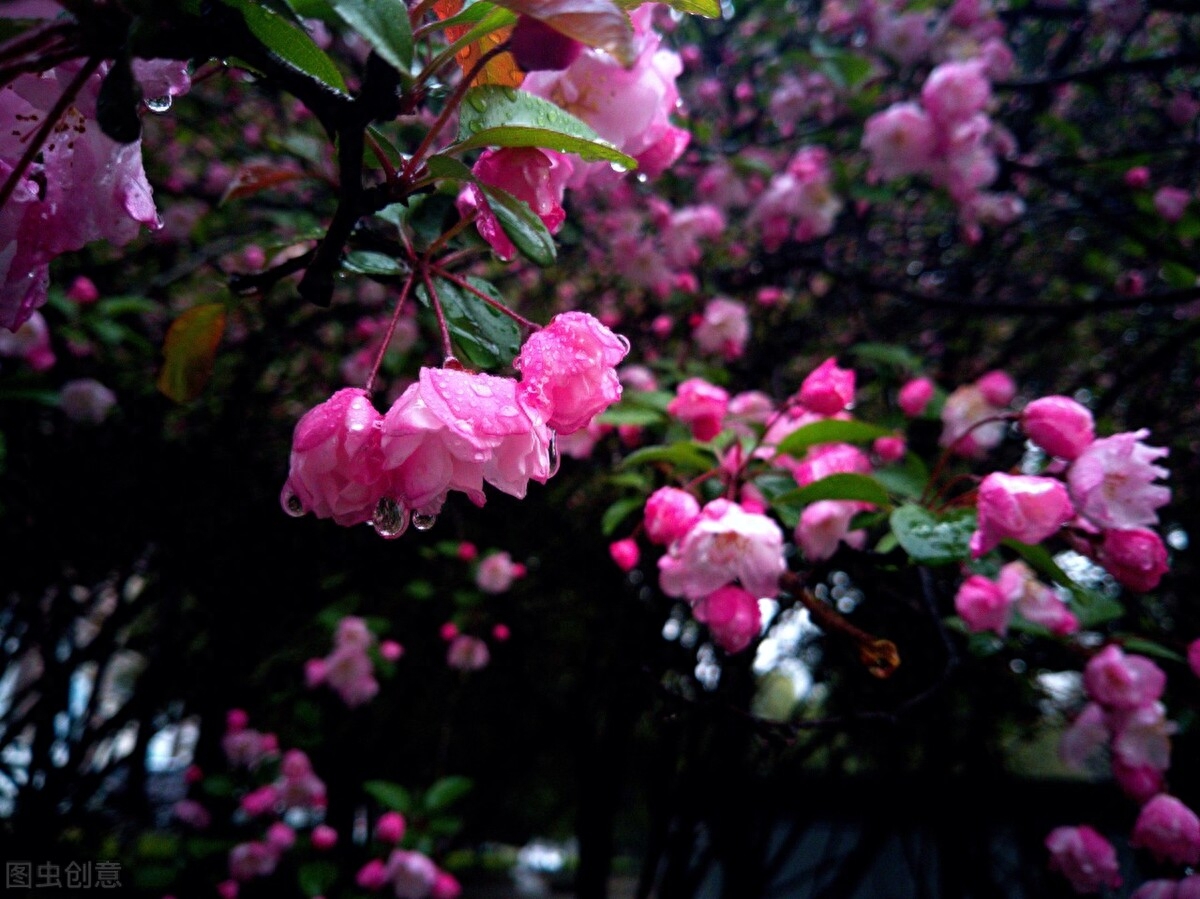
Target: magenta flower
725 544
670 513
1059 425
914 396
538 177
723 329
982 605
1026 508
624 553
955 92
1112 481
901 141
1136 557
828 389
1084 857
701 406
1118 680
568 370
1169 830
732 616
496 573
825 524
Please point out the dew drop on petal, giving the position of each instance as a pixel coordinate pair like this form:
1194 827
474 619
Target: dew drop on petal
451 363
624 341
552 453
159 105
481 389
423 521
390 519
291 503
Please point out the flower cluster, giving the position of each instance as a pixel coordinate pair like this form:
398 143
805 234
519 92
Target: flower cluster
452 430
348 669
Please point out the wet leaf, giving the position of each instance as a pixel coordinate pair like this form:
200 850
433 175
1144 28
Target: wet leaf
289 43
384 24
445 792
390 795
932 539
522 225
189 351
829 430
482 38
258 176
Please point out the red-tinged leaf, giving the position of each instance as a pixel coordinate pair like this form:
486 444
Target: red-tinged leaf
501 69
190 350
257 176
596 23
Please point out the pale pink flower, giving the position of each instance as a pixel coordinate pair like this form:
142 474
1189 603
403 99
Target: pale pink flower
725 544
191 813
967 427
670 513
496 573
298 785
724 328
411 873
1084 857
1026 508
252 859
901 141
955 92
828 389
1059 425
982 605
1142 736
1136 558
31 342
732 616
1157 889
1118 680
1171 202
568 370
799 202
350 673
336 468
467 653
1084 737
683 231
825 524
452 430
1035 601
1169 830
827 459
701 406
86 400
1112 481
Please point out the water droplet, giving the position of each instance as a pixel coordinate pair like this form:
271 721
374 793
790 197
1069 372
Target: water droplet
423 521
618 168
510 94
452 364
509 411
624 341
481 389
159 105
291 503
390 519
552 454
478 103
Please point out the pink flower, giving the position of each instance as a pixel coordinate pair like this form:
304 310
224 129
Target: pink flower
324 837
828 389
1137 177
1141 736
390 650
725 544
1139 782
467 653
445 886
412 874
1169 829
83 291
260 801
732 616
1157 889
724 328
252 859
452 430
1059 425
966 422
1112 481
799 202
280 836
1084 737
1026 508
351 674
956 91
915 396
889 449
191 813
538 177
1035 601
982 605
536 46
624 553
1084 857
700 405
1193 655
1171 202
670 513
497 572
336 468
390 827
901 141
373 875
86 401
1120 681
827 459
568 370
824 525
997 387
1136 557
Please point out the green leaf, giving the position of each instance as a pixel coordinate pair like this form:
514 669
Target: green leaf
626 413
390 795
932 539
618 512
1090 607
289 43
448 167
386 146
384 24
157 845
887 354
684 455
493 116
829 430
1150 648
1178 276
523 226
445 792
486 336
845 486
908 478
190 350
315 878
370 262
708 8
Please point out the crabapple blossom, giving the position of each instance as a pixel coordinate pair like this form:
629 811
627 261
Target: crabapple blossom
982 605
252 859
724 328
336 468
390 827
624 553
191 813
967 425
1139 782
900 140
1156 889
827 459
1059 425
83 290
536 46
86 400
31 342
1084 737
825 524
669 514
828 389
412 874
497 571
1118 680
323 837
914 396
1136 558
536 176
1141 736
732 616
954 92
997 387
1027 508
701 406
1084 857
373 875
280 836
1112 481
726 543
799 202
568 370
260 801
1171 202
889 449
467 653
1035 601
445 886
1169 830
